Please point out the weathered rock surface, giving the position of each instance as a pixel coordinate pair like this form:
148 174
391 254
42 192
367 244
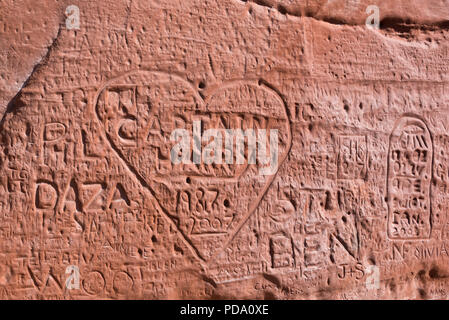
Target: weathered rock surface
357 209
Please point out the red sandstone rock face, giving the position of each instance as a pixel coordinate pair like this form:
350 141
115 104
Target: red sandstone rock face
93 206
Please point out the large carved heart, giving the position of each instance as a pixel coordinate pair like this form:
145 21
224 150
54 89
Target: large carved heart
208 203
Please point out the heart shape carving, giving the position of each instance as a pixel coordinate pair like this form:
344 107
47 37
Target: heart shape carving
208 203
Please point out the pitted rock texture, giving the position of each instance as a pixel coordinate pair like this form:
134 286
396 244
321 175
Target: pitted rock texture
92 207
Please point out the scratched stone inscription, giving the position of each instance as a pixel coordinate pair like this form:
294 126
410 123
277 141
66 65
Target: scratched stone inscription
224 150
409 180
206 201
